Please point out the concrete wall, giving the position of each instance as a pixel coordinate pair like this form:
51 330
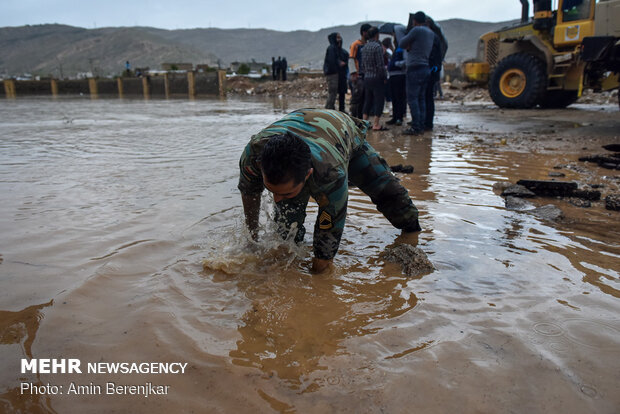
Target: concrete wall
188 84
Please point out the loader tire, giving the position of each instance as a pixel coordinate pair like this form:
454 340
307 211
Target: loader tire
518 81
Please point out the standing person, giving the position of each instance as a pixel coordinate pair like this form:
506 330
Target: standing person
397 75
375 76
388 51
273 68
435 60
278 68
316 152
418 43
284 68
357 85
335 70
438 90
343 72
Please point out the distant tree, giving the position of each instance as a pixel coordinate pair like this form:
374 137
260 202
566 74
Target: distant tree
244 69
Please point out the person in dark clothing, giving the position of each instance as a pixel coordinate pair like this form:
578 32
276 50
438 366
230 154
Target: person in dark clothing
388 51
435 60
397 73
418 43
284 67
375 76
335 70
279 68
273 68
357 83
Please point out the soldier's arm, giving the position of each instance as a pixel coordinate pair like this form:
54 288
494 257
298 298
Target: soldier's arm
330 222
251 210
251 187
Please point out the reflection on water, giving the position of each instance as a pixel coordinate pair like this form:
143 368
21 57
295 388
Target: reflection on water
21 328
122 223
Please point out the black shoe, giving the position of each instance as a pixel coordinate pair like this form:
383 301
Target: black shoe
391 122
428 128
411 131
399 122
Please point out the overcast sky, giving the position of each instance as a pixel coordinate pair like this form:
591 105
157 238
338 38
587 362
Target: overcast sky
270 14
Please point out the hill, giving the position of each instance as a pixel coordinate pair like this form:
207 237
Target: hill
61 51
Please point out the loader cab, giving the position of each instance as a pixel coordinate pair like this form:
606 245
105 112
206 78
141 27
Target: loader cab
575 20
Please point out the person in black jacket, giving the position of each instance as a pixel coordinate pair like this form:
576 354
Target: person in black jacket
284 68
335 70
435 60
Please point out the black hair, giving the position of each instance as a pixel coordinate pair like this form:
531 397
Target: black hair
372 32
364 28
419 17
285 157
387 42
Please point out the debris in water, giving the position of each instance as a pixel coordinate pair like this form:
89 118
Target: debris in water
407 169
556 174
611 162
413 260
578 202
549 188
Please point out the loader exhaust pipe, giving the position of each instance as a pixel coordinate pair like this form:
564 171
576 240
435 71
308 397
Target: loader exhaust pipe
525 11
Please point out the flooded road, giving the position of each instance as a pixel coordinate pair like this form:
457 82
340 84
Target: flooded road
122 241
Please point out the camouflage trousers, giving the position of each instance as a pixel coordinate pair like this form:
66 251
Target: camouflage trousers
371 174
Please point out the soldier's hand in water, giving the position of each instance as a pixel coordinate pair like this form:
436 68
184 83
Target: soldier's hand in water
320 265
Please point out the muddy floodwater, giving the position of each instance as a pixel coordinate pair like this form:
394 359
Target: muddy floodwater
122 241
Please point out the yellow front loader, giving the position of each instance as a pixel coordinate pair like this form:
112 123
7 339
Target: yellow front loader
550 59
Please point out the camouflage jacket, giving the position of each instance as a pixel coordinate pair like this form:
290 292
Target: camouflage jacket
333 137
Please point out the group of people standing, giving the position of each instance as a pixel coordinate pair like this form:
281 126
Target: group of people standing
407 72
278 68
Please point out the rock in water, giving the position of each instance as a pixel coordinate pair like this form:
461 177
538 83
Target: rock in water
548 212
517 191
612 202
516 203
413 260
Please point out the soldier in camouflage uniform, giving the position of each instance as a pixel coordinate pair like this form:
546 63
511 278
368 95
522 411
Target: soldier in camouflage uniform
317 152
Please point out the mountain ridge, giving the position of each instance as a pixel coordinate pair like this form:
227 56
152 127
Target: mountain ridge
62 50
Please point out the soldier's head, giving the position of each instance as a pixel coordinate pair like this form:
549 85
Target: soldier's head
286 165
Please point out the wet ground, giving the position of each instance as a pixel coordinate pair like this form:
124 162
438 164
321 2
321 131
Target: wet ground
122 242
